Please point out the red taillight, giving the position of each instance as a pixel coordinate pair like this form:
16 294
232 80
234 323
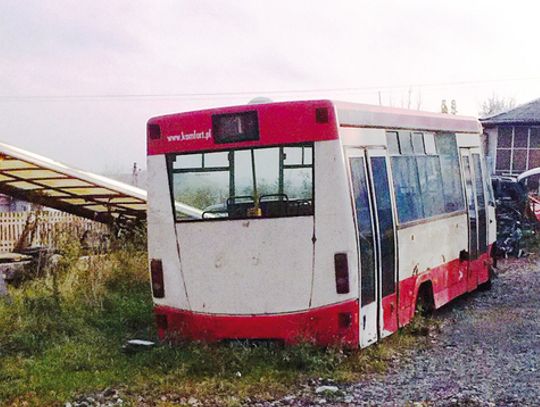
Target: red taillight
153 131
341 265
156 270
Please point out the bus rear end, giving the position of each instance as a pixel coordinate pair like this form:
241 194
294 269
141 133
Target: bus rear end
250 231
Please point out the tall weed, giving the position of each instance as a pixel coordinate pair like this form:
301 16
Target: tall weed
74 296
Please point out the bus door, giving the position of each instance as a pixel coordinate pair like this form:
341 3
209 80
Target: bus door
476 209
376 243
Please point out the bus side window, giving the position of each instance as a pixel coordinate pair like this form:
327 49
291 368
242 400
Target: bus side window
427 177
407 188
450 172
392 142
405 142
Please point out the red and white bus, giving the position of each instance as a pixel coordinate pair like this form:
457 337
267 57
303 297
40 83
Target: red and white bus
315 220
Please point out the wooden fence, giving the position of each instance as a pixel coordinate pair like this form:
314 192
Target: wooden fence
50 225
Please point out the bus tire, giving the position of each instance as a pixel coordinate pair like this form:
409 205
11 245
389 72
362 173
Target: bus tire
425 303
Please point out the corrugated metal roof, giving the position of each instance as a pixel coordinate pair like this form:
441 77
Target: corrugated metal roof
527 113
40 180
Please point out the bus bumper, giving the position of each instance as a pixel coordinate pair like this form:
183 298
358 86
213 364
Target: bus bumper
335 324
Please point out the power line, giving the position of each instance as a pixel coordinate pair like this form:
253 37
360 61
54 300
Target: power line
364 89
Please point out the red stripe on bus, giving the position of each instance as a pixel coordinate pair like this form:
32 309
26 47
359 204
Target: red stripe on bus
333 324
279 123
449 281
390 313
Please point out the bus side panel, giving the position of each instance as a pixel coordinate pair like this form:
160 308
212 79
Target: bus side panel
482 265
429 251
161 234
334 227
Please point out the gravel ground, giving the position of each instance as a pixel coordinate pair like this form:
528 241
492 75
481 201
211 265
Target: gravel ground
486 354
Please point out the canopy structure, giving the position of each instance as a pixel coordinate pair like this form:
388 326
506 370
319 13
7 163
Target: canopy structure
33 178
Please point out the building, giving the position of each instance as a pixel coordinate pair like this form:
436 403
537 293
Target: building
512 139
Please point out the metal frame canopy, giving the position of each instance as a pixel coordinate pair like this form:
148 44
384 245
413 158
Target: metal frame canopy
37 179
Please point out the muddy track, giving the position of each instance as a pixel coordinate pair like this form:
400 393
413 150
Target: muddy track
487 353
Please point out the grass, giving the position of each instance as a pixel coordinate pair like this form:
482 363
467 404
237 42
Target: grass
61 335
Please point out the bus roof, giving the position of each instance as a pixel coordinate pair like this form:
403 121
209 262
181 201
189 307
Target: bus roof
292 122
362 115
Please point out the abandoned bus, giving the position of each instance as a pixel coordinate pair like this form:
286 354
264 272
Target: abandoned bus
321 221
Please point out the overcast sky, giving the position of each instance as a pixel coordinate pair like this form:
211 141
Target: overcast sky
79 79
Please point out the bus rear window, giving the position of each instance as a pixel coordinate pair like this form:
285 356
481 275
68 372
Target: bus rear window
244 183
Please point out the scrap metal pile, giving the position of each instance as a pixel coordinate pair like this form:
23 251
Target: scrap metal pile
515 220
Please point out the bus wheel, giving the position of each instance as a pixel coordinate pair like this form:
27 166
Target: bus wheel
425 304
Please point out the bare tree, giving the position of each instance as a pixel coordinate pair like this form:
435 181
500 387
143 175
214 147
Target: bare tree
444 106
419 99
409 97
496 104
